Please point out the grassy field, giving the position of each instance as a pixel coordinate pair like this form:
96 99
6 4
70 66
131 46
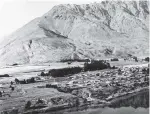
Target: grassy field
25 92
121 62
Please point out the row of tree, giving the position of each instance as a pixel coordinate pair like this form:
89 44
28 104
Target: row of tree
88 66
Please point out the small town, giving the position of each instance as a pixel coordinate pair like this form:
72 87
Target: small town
105 85
97 84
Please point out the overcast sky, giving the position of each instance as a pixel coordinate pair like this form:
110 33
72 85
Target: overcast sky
16 13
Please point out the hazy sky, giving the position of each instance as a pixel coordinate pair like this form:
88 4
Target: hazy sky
16 13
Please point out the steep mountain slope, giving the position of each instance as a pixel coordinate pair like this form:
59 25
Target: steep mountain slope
97 30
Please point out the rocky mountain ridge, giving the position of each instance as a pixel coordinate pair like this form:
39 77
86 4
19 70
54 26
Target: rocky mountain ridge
97 30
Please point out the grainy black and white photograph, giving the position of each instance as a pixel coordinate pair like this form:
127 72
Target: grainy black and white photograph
74 57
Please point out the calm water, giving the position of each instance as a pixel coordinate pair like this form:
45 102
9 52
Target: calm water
136 104
140 102
122 110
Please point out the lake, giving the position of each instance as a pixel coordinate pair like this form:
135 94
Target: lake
107 110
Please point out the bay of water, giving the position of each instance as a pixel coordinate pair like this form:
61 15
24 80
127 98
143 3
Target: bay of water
122 110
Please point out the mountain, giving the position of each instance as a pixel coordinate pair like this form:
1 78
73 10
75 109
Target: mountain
96 30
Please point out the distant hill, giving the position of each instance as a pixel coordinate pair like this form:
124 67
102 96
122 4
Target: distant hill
97 30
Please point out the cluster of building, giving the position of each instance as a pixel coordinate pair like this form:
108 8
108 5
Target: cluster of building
108 84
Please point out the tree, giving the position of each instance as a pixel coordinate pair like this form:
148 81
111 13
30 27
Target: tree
119 71
147 59
0 94
40 101
115 59
12 88
28 105
136 59
42 74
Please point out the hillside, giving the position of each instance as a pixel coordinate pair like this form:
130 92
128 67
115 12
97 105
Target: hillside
97 30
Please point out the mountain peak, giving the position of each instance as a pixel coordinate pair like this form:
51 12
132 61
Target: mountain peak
86 30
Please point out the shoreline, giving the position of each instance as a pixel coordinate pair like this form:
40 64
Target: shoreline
91 105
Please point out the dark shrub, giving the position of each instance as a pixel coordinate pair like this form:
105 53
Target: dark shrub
4 75
22 81
115 59
40 101
69 62
11 83
28 105
42 74
64 89
145 70
51 86
113 67
96 65
17 81
12 88
119 71
64 71
60 89
48 85
31 80
14 64
77 103
0 94
147 59
97 74
135 58
125 59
